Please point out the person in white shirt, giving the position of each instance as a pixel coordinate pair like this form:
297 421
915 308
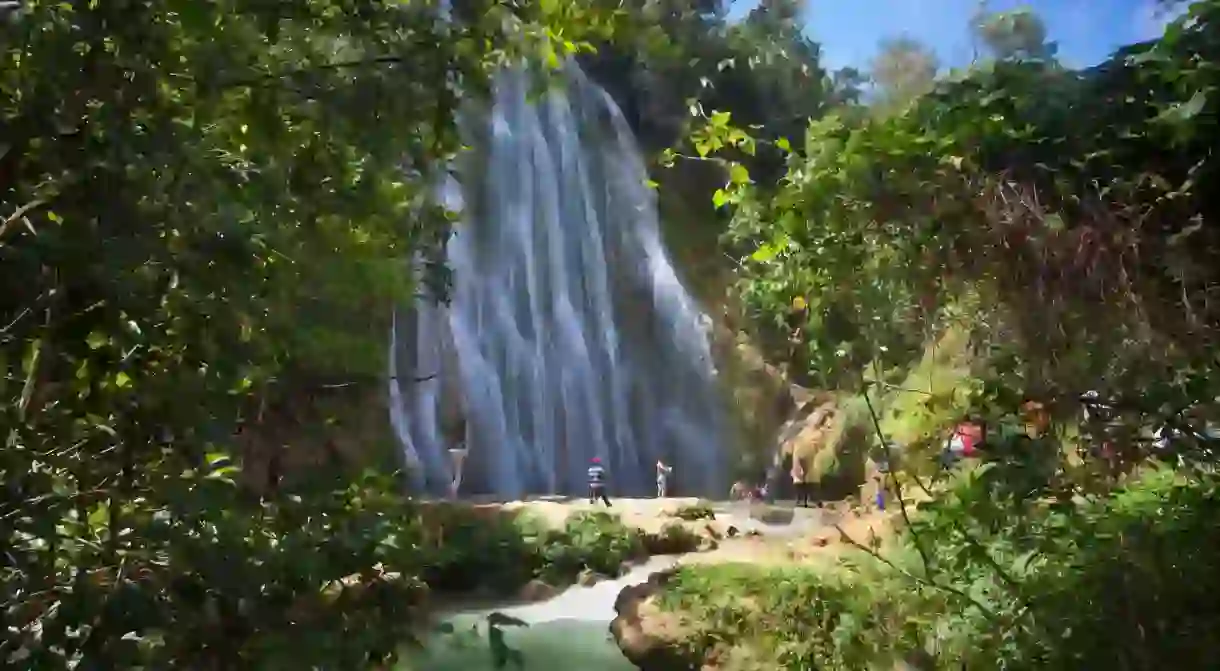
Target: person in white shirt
663 472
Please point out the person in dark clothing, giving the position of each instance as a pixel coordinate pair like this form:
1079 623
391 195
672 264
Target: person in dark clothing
799 484
597 482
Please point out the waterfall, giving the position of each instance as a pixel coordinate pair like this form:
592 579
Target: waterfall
568 335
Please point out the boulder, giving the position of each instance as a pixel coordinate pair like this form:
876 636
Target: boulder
674 538
649 637
537 590
772 514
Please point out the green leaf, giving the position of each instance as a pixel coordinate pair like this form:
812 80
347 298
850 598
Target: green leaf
1183 112
217 459
764 253
738 174
97 340
122 380
720 198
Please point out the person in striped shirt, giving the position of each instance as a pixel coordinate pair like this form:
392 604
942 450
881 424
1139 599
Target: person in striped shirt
597 482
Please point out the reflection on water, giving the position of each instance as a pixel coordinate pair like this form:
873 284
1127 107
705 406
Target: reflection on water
570 631
544 646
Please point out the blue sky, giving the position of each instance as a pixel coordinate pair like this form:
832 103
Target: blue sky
1086 30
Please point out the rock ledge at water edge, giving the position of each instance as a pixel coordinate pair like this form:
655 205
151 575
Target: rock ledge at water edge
649 637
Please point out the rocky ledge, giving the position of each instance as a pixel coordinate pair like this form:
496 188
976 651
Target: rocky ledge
649 637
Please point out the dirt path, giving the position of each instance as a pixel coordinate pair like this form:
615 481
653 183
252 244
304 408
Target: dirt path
808 534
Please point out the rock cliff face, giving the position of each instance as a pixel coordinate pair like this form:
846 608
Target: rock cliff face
325 427
756 394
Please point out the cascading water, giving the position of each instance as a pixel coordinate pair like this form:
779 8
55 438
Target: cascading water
568 335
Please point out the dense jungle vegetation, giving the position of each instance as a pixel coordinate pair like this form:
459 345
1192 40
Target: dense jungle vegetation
206 211
1062 220
209 212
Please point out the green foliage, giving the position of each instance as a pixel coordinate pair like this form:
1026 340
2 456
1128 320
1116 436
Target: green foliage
207 209
763 70
596 541
693 512
674 538
499 552
1028 203
1061 221
1090 584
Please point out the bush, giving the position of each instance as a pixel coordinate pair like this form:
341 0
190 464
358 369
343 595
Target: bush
674 538
985 582
471 549
498 550
596 541
694 512
756 617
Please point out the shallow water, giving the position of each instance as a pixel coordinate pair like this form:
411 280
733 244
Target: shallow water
548 646
570 631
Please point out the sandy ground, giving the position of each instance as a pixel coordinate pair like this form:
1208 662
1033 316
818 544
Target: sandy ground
809 535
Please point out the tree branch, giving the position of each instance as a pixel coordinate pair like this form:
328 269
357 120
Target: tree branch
19 216
926 581
902 504
413 380
323 67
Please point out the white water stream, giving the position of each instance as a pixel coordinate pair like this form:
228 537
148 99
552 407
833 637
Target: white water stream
569 335
570 631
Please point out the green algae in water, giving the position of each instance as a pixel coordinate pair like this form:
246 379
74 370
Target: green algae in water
546 646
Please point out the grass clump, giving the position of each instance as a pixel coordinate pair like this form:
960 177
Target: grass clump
694 512
674 538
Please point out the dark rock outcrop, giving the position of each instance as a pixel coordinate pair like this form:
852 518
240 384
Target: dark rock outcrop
649 637
537 590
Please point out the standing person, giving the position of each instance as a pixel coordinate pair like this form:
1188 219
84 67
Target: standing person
883 470
597 482
771 484
663 472
964 443
738 491
798 482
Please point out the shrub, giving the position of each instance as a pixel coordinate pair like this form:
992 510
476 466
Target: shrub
986 582
597 541
694 512
674 538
